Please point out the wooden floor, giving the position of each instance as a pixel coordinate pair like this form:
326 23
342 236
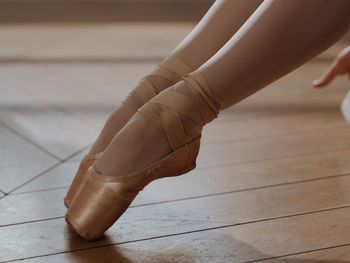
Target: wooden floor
273 177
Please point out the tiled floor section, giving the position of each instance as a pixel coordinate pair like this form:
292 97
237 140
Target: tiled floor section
273 172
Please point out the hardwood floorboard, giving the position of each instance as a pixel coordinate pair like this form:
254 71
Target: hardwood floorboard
202 182
256 157
54 130
339 254
264 104
78 43
279 146
229 243
19 208
59 177
268 148
272 125
170 218
20 160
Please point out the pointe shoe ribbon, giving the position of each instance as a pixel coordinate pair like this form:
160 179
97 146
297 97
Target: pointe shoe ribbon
171 68
179 117
102 199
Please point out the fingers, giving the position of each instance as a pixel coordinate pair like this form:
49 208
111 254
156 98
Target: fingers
340 66
330 74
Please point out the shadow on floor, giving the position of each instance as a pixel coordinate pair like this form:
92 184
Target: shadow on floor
191 248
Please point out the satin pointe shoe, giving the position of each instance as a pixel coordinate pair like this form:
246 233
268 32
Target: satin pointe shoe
86 162
176 116
171 68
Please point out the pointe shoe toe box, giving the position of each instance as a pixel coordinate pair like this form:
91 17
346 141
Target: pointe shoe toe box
101 200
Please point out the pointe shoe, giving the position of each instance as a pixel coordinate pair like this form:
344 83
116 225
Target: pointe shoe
103 199
171 68
86 162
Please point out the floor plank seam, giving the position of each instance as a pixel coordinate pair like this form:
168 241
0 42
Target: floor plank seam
68 159
228 114
197 168
244 190
1 197
190 232
268 136
225 226
54 105
75 153
300 253
40 190
32 221
47 170
36 145
207 195
216 166
272 135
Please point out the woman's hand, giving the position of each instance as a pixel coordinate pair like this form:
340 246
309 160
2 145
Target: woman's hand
340 66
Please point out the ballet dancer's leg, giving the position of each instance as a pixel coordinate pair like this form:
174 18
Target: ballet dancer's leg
277 38
162 139
281 36
195 49
218 25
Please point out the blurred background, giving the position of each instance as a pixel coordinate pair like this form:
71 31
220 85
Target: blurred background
17 11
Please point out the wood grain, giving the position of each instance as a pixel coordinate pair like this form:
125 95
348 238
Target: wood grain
240 243
43 123
20 160
166 218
